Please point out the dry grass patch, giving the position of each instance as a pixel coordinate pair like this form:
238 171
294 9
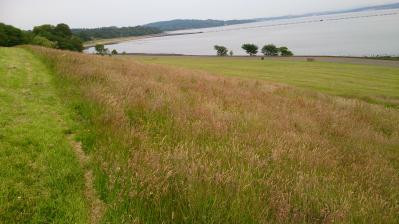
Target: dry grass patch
177 146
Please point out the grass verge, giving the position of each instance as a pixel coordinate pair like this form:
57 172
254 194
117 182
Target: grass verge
40 178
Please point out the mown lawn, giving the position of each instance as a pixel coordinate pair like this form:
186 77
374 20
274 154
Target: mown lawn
376 84
41 180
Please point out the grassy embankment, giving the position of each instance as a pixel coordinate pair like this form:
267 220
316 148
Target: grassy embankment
179 146
376 84
41 180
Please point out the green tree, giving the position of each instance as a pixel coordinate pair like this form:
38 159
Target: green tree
270 50
285 52
100 49
112 32
114 52
221 50
10 36
42 41
231 53
45 30
83 36
76 43
63 30
251 49
61 35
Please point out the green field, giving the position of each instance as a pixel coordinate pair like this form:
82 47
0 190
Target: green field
40 178
92 139
375 84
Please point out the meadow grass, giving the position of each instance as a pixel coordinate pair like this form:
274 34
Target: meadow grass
172 145
40 178
376 84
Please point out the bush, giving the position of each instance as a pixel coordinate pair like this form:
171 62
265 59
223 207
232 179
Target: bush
42 41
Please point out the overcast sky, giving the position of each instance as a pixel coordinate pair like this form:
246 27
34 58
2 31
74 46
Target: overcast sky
96 13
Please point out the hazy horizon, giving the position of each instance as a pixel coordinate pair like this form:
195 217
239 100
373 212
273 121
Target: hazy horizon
26 14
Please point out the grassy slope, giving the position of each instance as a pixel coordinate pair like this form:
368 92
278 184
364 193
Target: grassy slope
371 83
40 179
180 146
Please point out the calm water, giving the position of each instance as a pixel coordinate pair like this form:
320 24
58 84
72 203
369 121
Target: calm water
353 34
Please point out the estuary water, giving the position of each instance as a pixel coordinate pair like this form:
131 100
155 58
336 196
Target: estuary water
351 34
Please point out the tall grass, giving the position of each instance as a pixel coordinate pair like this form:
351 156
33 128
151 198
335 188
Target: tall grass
371 83
176 146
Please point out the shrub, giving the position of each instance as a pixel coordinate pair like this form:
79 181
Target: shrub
42 41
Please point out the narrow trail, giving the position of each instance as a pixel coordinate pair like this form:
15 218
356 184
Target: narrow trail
97 207
40 175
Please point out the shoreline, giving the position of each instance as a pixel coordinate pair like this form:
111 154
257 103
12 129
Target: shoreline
118 40
111 41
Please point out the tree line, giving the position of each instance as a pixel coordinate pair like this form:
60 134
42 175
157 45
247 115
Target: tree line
252 50
184 24
59 36
62 37
114 32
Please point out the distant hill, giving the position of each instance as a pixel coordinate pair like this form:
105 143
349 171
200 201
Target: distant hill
114 32
184 24
361 9
377 7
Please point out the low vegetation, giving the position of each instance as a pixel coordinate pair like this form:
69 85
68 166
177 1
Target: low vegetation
170 145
